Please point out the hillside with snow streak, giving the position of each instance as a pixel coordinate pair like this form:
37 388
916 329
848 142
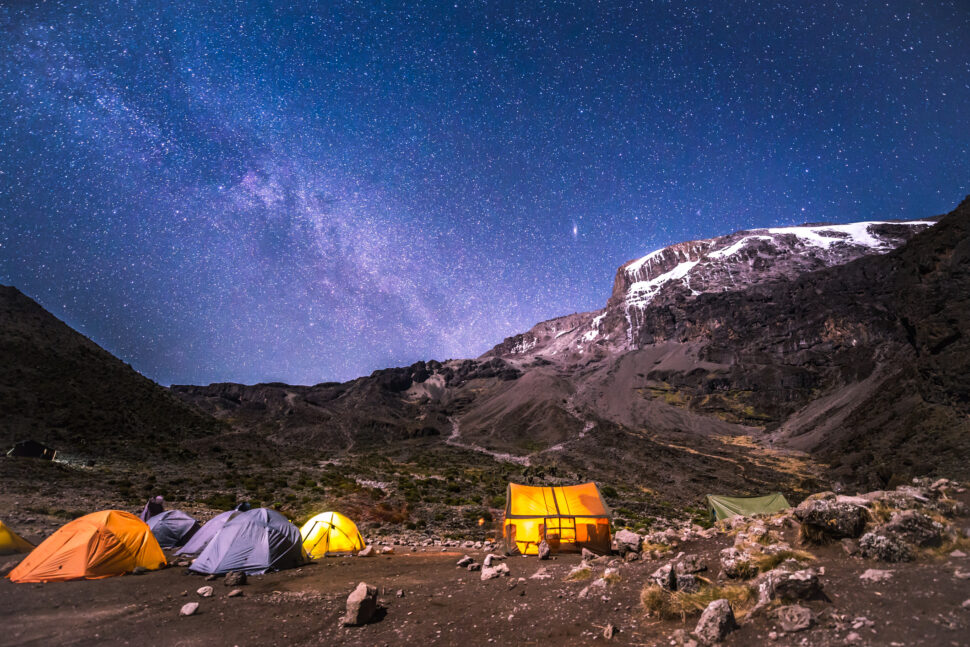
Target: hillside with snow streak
671 276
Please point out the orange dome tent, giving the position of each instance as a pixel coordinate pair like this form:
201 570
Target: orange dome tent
97 545
567 517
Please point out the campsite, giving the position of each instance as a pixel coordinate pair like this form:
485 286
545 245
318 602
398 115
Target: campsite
427 593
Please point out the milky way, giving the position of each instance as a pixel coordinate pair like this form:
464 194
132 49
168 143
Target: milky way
233 191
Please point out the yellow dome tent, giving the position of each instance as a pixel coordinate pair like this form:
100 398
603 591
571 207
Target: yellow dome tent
101 544
328 533
570 517
11 542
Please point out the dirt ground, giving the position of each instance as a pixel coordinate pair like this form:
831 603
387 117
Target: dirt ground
427 600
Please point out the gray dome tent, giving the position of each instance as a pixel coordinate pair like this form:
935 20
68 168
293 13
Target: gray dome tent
210 529
254 542
172 528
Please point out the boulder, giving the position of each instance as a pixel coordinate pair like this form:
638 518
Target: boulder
464 561
234 578
736 563
665 577
794 618
887 548
544 549
914 527
832 517
787 586
366 551
686 582
499 570
361 605
626 541
189 609
690 564
716 622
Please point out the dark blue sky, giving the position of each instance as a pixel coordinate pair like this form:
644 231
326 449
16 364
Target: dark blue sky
237 191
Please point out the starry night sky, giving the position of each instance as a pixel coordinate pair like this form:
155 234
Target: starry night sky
237 191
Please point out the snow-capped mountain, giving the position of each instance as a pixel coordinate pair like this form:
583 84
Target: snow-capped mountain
671 276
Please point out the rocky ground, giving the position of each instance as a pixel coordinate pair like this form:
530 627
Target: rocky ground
816 575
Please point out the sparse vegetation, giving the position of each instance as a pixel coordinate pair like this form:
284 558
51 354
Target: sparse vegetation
672 605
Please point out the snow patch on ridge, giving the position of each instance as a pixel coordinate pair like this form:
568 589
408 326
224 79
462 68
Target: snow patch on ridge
856 233
642 293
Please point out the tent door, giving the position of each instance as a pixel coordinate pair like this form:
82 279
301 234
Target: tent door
560 530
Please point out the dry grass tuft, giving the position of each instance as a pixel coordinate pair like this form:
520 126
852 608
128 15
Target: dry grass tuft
613 577
766 563
674 605
881 511
578 575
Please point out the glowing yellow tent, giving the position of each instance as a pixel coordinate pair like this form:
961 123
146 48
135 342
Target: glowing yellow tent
11 542
569 517
101 544
329 533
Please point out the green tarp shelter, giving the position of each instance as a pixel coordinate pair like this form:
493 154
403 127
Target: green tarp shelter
725 507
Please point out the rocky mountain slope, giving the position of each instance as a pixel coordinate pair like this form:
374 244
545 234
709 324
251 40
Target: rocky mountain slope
60 388
840 340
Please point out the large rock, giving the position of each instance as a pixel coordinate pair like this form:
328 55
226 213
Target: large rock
788 586
716 622
492 572
888 548
832 517
690 564
736 563
189 609
234 578
626 541
665 577
914 527
361 605
795 617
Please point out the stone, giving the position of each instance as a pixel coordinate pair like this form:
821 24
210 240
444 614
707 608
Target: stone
781 585
966 604
665 577
958 553
234 578
887 548
499 570
189 609
795 617
588 555
541 574
212 577
914 527
205 592
631 556
464 561
399 593
736 563
367 551
139 570
544 550
831 517
961 575
626 541
235 593
6 568
387 550
687 583
474 567
876 575
716 622
850 547
361 605
853 638
691 564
